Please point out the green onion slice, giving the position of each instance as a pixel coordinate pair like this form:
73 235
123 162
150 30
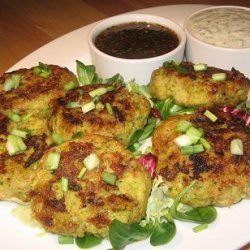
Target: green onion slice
109 178
82 173
42 70
64 184
194 134
200 227
98 92
205 143
58 139
200 67
183 126
91 161
219 76
15 117
192 149
19 133
71 105
53 160
12 82
88 107
210 115
65 239
236 147
183 141
70 85
109 108
110 88
15 145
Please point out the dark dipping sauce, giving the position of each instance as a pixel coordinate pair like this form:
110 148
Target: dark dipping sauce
137 40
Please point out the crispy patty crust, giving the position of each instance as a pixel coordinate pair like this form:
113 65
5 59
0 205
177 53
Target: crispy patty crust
90 204
197 88
222 178
129 112
34 91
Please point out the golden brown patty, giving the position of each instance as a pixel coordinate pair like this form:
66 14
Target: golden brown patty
17 172
34 92
197 88
90 204
222 178
29 101
129 113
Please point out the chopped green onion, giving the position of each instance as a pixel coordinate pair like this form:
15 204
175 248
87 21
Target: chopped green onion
13 116
71 105
88 107
15 145
236 147
99 106
200 66
91 161
210 115
98 92
200 227
42 70
12 82
194 134
58 139
70 85
219 76
64 184
109 108
182 141
110 88
82 173
53 161
205 143
77 134
19 133
65 239
109 178
192 149
183 126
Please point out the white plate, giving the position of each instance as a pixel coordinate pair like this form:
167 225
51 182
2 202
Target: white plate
230 231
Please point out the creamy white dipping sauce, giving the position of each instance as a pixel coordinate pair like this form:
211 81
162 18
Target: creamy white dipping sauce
227 27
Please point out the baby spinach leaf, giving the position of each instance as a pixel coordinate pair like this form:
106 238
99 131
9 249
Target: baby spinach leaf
86 73
122 234
168 108
200 215
163 233
88 241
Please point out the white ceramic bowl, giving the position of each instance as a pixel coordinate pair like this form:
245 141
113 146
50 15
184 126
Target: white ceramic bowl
138 69
198 51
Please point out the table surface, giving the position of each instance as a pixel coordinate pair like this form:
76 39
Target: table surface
27 25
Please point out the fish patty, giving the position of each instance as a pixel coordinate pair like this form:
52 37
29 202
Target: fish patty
222 178
90 204
34 92
129 112
197 88
30 103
